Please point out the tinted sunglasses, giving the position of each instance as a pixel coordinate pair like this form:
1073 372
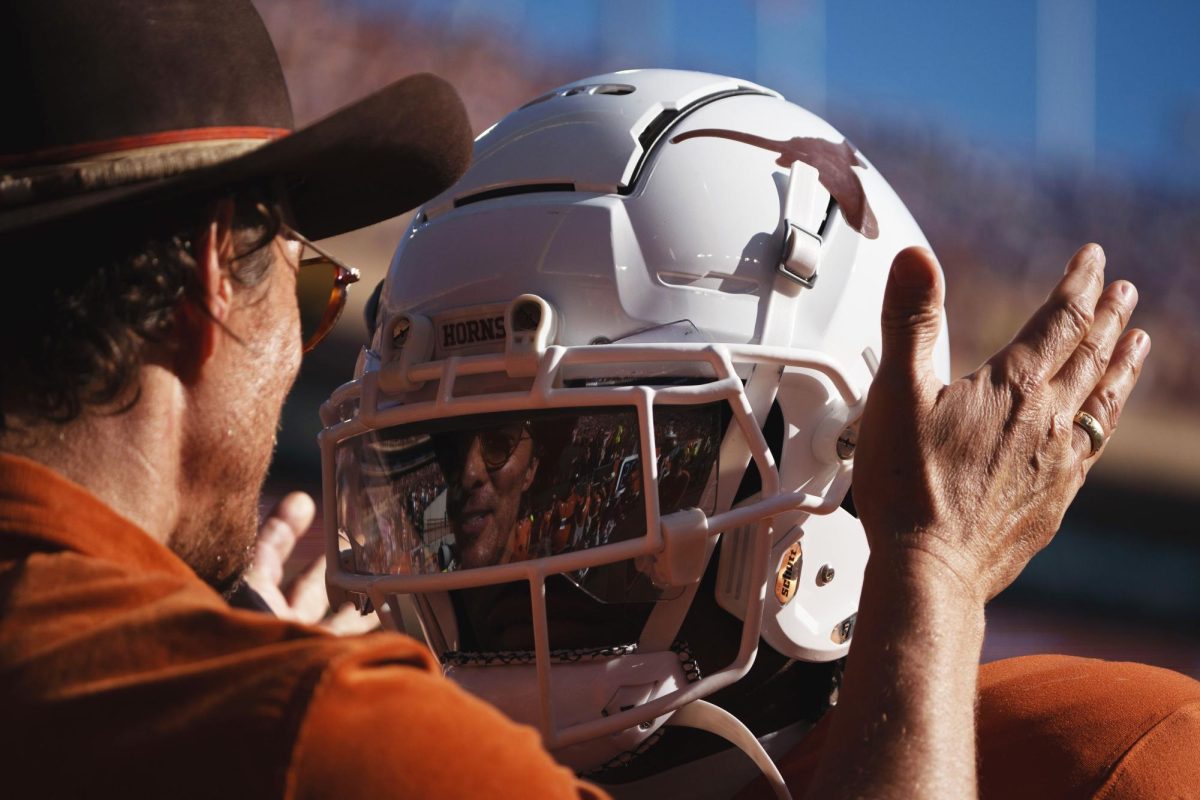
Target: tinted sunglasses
496 445
322 283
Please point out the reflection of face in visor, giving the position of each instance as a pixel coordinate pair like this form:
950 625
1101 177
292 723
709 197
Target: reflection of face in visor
487 473
471 492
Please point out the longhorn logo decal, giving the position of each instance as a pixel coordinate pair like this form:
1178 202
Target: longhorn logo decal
832 162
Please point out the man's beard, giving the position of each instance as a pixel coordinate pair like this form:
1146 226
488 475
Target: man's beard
217 530
219 545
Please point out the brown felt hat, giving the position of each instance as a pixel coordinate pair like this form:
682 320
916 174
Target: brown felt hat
112 105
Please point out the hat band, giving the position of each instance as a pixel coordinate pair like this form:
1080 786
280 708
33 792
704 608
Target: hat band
52 174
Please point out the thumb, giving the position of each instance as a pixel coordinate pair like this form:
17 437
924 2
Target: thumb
912 315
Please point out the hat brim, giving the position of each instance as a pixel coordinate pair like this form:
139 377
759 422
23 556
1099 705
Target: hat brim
365 163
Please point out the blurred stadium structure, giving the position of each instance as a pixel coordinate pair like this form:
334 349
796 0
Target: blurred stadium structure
1123 578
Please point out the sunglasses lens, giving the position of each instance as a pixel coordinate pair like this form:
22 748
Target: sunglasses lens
498 446
320 298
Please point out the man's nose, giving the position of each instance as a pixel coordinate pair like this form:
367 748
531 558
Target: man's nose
474 471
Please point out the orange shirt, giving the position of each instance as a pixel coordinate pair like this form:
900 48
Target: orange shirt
1065 728
122 674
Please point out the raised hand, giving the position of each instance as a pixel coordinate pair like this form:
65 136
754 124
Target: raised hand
305 599
973 478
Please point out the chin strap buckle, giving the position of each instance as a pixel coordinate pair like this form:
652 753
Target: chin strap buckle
805 204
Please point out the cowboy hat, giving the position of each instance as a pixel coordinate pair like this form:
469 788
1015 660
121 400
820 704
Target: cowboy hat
112 105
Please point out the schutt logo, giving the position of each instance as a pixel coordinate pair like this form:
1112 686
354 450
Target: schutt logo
461 333
788 579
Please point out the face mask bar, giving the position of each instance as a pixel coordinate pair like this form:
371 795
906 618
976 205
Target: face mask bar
677 544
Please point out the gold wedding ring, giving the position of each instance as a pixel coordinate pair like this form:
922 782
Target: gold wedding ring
1094 431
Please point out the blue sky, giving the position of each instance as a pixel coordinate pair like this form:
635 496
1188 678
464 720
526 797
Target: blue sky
967 67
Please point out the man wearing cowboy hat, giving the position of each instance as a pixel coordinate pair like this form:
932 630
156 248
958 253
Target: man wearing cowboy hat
154 204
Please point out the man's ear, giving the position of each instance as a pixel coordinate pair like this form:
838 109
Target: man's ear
201 318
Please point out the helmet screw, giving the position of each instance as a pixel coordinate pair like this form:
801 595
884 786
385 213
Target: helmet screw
400 332
824 575
846 443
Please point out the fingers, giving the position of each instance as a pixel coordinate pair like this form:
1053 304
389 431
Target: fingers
306 601
912 316
349 622
307 598
288 521
297 511
1107 399
1055 330
1090 360
277 537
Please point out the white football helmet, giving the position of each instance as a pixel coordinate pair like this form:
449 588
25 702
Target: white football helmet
566 407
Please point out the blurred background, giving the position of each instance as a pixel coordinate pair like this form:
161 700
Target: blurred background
1015 130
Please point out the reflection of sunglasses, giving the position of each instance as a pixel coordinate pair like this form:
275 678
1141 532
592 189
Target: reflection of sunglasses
497 446
322 284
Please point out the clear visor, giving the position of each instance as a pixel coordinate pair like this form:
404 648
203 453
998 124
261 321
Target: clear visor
472 492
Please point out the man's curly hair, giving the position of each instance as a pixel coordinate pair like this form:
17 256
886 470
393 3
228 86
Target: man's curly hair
85 303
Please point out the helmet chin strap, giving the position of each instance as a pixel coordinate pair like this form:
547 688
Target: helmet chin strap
707 717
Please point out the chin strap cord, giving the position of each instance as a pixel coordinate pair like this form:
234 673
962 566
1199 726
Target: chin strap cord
707 717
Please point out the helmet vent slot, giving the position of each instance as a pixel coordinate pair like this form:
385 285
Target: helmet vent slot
614 88
508 191
657 126
593 88
600 88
